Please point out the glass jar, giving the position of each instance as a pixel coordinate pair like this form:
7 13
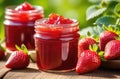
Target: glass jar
19 26
56 46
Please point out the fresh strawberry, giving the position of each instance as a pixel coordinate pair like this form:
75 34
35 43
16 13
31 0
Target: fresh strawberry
2 52
112 50
25 6
18 59
87 62
105 37
84 44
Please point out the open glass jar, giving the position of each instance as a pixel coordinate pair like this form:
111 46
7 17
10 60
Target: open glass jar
56 45
19 26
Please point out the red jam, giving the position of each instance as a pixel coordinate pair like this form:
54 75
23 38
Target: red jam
24 7
56 43
19 25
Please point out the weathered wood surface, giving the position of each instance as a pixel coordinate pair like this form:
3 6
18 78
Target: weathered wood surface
33 73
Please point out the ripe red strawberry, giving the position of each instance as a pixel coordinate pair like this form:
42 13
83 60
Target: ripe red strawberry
2 52
84 44
112 50
25 6
105 37
18 59
87 62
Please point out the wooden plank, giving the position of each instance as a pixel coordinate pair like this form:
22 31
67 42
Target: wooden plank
3 70
28 73
33 73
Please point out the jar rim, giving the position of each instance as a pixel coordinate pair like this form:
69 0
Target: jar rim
12 9
41 23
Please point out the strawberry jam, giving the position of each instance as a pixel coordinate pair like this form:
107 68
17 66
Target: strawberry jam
19 25
56 41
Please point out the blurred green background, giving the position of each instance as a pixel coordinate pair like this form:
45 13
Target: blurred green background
68 8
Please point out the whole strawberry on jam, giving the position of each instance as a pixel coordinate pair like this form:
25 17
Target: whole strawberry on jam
87 62
112 50
18 59
58 19
84 44
25 6
2 52
106 36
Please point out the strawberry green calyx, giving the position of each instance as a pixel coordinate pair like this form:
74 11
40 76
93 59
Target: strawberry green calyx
25 50
95 48
22 48
88 34
2 48
101 54
112 28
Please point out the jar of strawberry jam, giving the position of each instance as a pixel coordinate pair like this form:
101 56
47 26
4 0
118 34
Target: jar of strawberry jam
56 43
19 25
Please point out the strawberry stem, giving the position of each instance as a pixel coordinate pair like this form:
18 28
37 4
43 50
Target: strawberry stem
101 54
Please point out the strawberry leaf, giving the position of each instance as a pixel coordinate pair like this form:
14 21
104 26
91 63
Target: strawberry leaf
94 11
117 10
111 0
111 7
106 20
94 1
94 31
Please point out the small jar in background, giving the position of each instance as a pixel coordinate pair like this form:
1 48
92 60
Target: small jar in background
19 26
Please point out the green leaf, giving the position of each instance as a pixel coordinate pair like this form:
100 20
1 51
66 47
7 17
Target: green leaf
88 33
106 20
22 48
117 10
94 1
94 30
93 47
18 48
101 54
2 48
96 37
86 30
111 0
110 8
94 11
118 22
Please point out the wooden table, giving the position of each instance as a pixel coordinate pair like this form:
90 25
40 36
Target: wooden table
32 73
